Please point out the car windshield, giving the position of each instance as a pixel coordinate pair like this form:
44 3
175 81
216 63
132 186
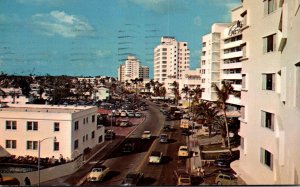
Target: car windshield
147 132
185 180
183 149
97 170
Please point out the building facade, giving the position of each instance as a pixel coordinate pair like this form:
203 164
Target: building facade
75 129
132 69
171 58
270 116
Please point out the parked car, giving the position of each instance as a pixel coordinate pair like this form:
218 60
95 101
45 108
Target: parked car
155 157
146 135
226 179
223 161
128 147
109 134
185 132
182 177
183 151
124 123
133 179
138 114
98 173
163 138
123 113
130 114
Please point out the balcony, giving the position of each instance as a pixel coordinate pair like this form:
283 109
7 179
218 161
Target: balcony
232 76
231 65
233 55
232 44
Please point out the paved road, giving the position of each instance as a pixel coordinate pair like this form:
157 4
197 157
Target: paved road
119 163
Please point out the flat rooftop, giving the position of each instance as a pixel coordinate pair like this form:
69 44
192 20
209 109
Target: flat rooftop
45 108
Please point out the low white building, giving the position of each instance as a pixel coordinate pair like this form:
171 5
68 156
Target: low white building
23 126
13 95
101 93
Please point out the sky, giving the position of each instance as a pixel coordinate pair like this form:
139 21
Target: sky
93 37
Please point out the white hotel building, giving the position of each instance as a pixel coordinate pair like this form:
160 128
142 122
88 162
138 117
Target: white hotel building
75 129
132 69
171 58
220 60
270 119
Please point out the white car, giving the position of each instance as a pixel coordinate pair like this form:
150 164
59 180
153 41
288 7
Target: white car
123 113
155 157
183 151
146 135
98 173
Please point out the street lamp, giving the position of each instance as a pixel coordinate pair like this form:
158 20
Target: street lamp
111 134
39 155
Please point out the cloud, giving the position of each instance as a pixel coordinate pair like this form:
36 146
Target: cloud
198 21
60 23
161 6
101 53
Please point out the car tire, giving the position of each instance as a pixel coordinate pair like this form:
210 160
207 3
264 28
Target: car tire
219 183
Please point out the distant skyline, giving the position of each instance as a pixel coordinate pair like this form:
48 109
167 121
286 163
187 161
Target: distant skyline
91 37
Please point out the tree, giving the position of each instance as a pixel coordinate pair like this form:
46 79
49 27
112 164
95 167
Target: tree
186 91
175 90
148 86
163 92
197 94
223 95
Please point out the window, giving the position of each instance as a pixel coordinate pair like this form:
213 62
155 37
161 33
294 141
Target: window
87 120
93 134
243 81
93 118
76 125
56 126
83 138
76 144
11 125
56 146
242 143
87 137
270 6
100 139
33 145
269 44
12 144
32 125
268 81
266 158
83 120
267 120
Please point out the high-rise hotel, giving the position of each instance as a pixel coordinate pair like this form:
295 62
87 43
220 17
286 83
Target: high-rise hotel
270 96
171 58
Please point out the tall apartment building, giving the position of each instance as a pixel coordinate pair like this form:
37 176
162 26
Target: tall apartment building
171 58
270 119
23 126
132 69
220 60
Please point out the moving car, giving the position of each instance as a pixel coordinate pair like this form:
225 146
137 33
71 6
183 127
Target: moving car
226 179
146 135
163 138
155 157
167 128
182 177
133 179
124 123
183 151
98 173
109 134
128 148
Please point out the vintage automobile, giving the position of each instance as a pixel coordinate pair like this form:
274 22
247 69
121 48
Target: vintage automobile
133 179
226 179
146 135
155 157
98 173
182 177
183 151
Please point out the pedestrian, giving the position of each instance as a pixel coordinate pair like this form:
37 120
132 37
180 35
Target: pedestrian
203 172
27 181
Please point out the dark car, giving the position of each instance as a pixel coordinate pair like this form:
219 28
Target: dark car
128 148
133 179
167 128
185 132
109 134
223 161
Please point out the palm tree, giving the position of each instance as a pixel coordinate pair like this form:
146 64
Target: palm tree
148 86
197 93
223 96
163 92
175 90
